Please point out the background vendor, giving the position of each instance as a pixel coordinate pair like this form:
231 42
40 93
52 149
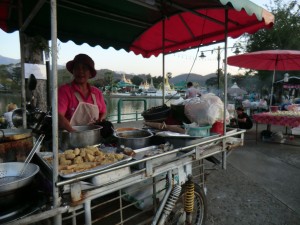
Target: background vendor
191 91
79 103
242 121
8 115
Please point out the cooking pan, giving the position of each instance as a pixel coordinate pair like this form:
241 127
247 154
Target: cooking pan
14 134
10 179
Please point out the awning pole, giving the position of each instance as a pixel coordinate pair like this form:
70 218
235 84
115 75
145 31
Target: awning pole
272 89
23 87
224 154
163 60
56 200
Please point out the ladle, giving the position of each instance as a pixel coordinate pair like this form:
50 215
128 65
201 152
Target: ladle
31 154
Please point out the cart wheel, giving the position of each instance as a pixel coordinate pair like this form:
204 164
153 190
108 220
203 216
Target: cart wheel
178 215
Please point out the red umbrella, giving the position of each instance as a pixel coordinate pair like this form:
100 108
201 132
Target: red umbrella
283 60
144 27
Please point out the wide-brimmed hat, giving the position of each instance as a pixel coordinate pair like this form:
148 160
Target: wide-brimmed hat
82 58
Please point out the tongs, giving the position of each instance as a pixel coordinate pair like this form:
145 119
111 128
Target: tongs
31 154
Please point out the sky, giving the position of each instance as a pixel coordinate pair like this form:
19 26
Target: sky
129 63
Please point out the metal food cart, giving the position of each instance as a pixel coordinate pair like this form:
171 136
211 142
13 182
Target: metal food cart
124 25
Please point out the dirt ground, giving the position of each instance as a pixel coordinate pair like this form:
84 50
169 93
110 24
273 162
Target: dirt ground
242 195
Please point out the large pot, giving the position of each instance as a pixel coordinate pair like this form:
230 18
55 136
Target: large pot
14 134
82 137
15 144
134 139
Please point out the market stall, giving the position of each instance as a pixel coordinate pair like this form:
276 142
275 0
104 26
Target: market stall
281 118
144 28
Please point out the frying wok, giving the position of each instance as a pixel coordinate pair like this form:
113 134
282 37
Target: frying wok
10 179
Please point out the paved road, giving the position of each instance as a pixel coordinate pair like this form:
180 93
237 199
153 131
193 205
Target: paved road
260 186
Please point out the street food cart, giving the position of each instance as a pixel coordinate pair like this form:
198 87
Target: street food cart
83 195
147 28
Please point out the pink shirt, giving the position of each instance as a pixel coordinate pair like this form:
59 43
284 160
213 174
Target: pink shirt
67 101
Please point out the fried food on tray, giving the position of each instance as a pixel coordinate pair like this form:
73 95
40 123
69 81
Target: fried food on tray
81 159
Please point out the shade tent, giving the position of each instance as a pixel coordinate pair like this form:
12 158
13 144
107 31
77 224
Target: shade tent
137 25
147 27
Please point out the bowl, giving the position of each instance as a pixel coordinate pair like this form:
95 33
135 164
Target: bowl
202 131
134 139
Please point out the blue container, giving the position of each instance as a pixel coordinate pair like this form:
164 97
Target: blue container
199 131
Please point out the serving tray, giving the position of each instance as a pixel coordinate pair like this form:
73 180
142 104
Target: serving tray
44 158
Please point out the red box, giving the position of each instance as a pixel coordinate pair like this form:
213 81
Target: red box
274 108
217 127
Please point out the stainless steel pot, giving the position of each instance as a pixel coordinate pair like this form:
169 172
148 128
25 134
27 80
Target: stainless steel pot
10 179
84 136
134 139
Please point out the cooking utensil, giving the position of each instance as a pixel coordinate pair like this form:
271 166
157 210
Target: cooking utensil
82 137
31 154
10 179
17 117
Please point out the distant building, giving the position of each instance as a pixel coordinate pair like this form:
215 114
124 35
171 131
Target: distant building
126 84
148 88
144 85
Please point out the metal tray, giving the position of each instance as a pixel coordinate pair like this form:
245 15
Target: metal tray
44 155
183 141
152 150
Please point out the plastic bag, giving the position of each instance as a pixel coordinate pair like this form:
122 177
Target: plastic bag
141 193
206 110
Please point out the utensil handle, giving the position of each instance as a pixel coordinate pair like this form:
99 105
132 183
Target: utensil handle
32 152
2 133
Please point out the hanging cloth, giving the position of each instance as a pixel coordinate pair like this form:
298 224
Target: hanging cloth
85 113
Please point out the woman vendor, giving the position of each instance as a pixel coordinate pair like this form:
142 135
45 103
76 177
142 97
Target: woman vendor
79 103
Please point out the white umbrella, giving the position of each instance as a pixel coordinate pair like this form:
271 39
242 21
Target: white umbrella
236 90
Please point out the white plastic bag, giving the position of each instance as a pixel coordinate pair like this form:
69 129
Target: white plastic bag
142 192
206 111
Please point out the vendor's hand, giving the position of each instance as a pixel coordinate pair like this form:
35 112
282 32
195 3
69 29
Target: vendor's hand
93 121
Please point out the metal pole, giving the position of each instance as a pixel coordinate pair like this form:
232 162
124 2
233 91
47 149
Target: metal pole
56 199
225 89
219 58
23 93
163 60
272 90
